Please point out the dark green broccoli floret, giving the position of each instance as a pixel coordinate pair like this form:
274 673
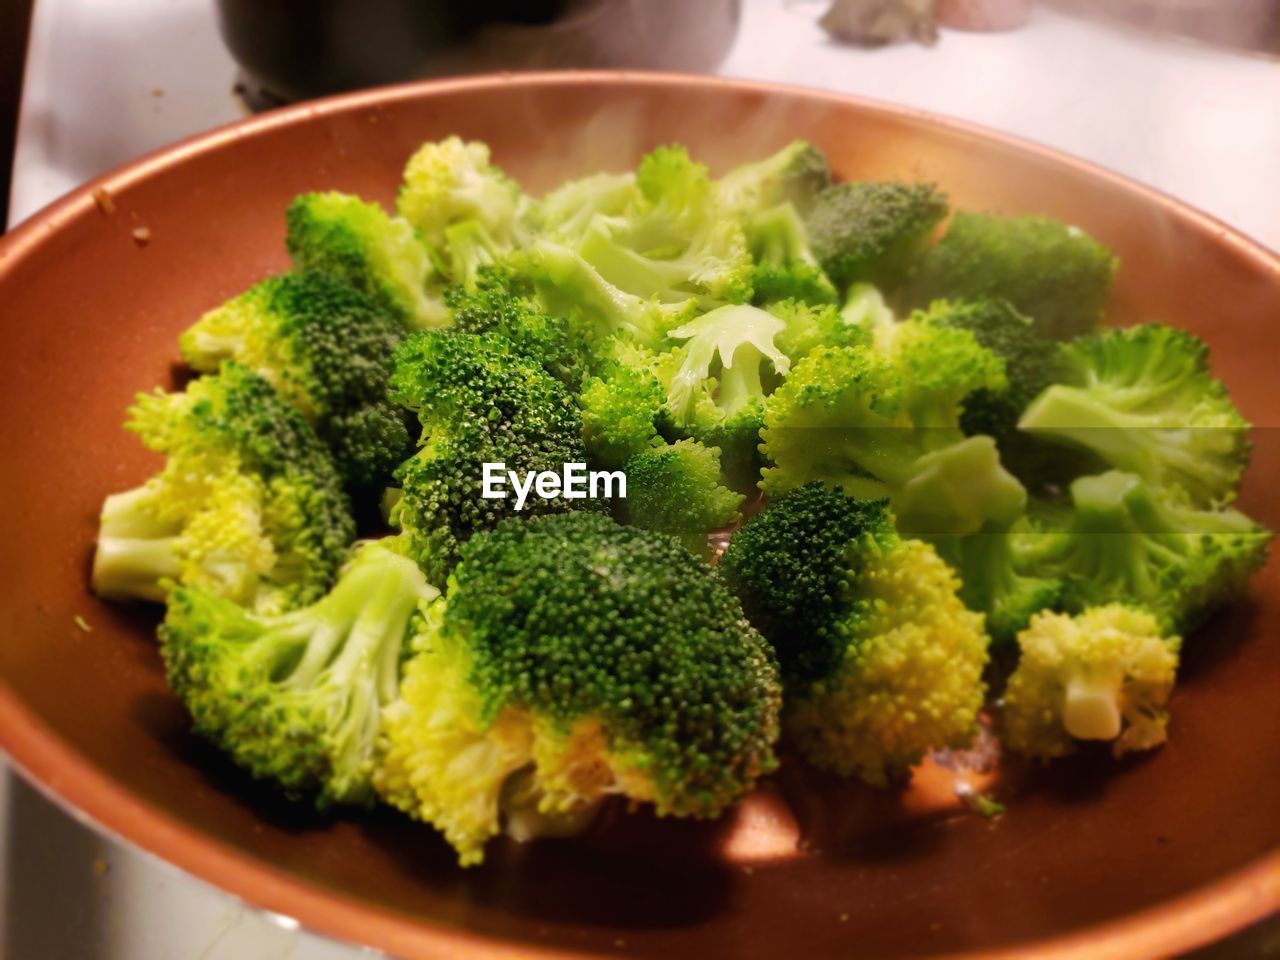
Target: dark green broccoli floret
869 232
480 400
676 489
574 658
248 505
295 698
1030 361
327 348
344 236
1142 399
1053 273
880 659
1129 543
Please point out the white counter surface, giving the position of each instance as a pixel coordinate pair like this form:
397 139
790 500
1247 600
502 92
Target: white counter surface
107 81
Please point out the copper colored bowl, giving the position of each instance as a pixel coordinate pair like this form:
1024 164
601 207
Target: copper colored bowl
1094 858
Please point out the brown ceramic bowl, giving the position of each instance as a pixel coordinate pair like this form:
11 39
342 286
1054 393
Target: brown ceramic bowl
1094 858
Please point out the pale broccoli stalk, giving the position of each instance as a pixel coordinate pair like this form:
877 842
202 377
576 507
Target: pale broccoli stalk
342 235
865 308
1104 674
296 698
1143 400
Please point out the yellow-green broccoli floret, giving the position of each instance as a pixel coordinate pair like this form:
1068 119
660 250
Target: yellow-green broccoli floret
572 659
345 236
248 505
1104 674
882 661
676 489
327 348
295 698
622 406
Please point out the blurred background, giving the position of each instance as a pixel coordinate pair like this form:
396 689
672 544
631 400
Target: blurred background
1183 95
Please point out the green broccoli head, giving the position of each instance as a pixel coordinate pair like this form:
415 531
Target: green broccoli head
881 660
248 505
673 243
1030 361
295 698
1142 399
327 348
869 232
449 181
785 266
808 326
865 419
794 175
1104 674
503 303
676 489
342 235
715 382
1126 542
621 406
1053 273
570 659
480 400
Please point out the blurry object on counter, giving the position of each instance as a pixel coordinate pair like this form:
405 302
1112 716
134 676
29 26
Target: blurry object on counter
295 49
874 23
982 15
1241 24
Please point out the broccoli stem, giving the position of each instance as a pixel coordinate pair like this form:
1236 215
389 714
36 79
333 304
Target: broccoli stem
205 350
136 549
1071 415
1092 710
740 380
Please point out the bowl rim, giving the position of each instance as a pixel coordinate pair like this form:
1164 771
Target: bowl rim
71 781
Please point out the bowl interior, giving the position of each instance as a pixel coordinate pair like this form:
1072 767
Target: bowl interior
90 315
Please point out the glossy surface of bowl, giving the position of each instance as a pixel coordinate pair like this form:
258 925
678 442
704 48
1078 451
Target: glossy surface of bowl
1093 858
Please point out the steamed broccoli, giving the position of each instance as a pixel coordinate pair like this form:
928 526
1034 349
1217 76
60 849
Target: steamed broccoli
809 326
295 697
327 348
573 658
622 405
871 231
785 266
1143 400
880 659
715 382
1053 273
449 181
480 400
248 505
1104 674
676 489
794 175
566 212
866 420
343 235
1129 543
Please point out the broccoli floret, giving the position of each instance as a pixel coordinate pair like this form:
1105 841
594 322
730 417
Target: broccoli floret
295 698
1053 273
1129 543
796 174
248 505
871 231
1104 674
574 658
676 489
1030 362
1143 400
785 266
715 386
566 212
622 406
674 243
327 348
880 660
480 401
342 235
450 181
809 326
864 420
503 304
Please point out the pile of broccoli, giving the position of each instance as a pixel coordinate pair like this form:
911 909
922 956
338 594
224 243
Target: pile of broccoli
881 460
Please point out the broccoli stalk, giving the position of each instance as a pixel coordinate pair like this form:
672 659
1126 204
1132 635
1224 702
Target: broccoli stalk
296 698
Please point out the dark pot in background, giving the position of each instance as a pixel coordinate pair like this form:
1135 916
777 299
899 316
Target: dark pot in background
296 49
